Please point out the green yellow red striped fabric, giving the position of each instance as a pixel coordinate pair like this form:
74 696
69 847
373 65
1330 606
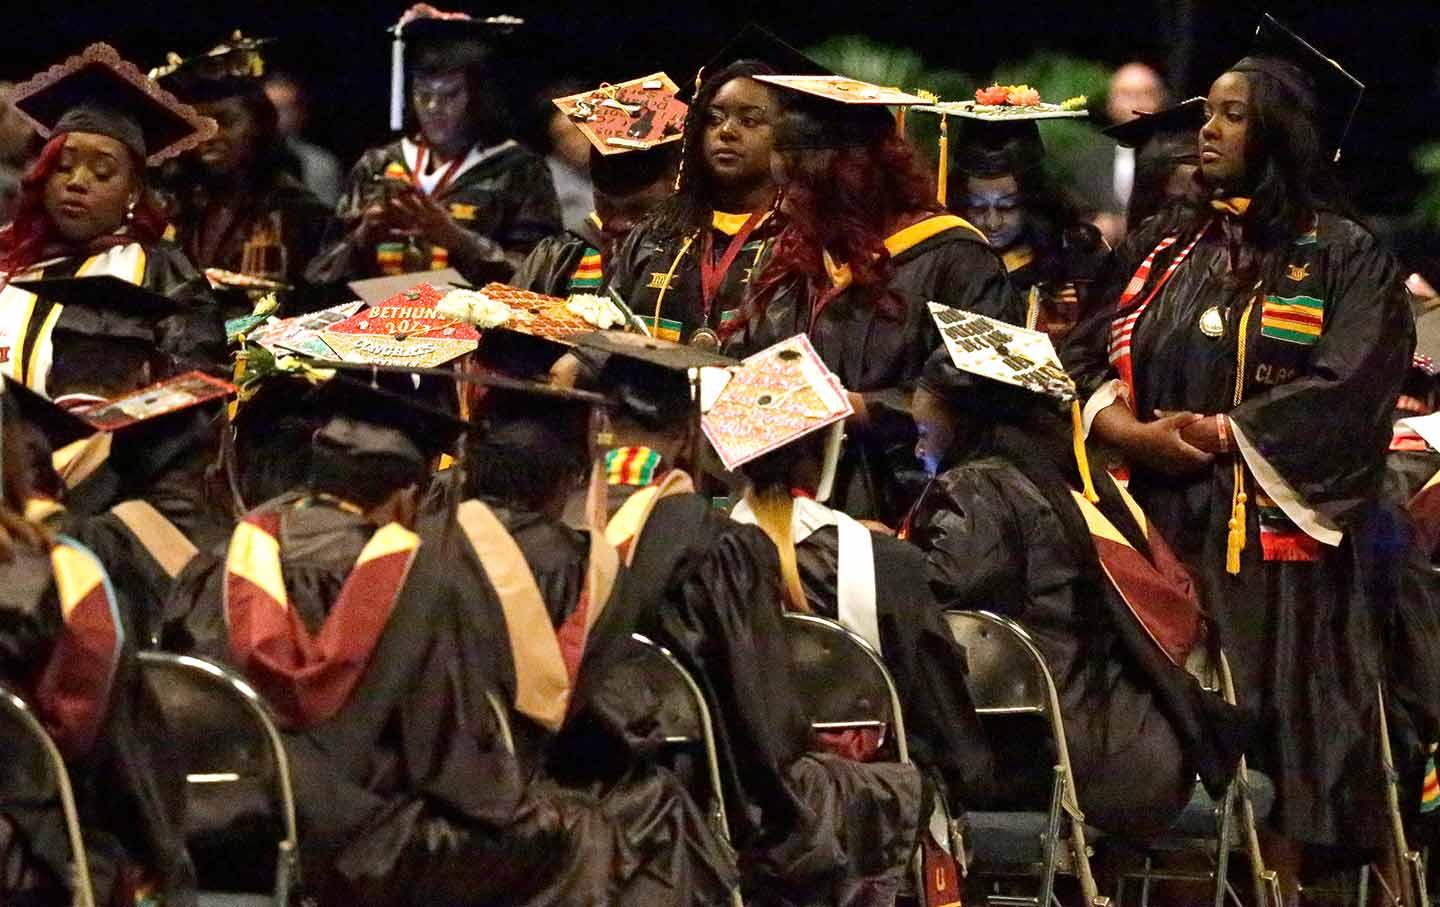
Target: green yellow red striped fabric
1293 319
1430 793
663 328
587 276
631 466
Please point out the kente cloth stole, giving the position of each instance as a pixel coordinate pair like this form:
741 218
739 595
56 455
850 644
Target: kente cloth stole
308 679
1122 329
73 693
587 276
1157 590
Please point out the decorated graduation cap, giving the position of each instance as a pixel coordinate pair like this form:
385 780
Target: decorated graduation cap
773 399
407 330
831 111
636 115
1329 94
232 68
173 395
98 92
980 347
429 40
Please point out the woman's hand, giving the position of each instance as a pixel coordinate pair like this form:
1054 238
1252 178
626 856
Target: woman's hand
374 224
1164 444
1204 434
419 214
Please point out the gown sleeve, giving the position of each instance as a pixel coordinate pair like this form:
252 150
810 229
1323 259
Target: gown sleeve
1347 389
196 334
973 278
968 533
336 259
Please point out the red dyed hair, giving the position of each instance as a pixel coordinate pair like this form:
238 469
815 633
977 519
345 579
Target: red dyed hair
31 235
846 208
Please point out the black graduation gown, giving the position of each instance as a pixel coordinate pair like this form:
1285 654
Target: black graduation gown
506 202
880 359
127 789
273 233
1297 633
804 823
944 733
551 265
642 263
195 335
1039 262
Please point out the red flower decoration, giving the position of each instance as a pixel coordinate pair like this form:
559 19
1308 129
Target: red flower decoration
995 94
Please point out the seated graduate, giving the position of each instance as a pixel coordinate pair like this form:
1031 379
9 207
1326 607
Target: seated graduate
832 565
66 647
864 248
711 592
1010 524
85 210
630 179
460 191
686 269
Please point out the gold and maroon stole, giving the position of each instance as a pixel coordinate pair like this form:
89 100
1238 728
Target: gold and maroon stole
1157 590
73 694
546 659
308 679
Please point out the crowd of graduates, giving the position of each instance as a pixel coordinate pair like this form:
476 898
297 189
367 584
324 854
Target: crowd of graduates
416 465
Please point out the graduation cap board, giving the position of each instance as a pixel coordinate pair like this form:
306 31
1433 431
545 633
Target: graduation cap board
1000 132
230 68
99 92
59 425
161 399
664 354
375 290
301 334
1003 352
104 306
502 307
1187 116
844 90
405 329
775 397
628 116
455 39
1332 94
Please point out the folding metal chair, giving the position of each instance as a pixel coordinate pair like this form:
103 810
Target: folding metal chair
236 767
1008 678
1207 825
1413 890
32 764
684 720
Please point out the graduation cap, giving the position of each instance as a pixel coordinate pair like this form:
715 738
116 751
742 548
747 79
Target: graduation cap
995 139
1330 95
636 115
437 41
406 330
654 381
776 397
393 398
98 92
59 425
146 405
229 69
105 306
753 43
1185 118
830 111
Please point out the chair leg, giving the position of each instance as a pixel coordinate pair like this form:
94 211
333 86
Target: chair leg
1052 836
1222 852
1403 854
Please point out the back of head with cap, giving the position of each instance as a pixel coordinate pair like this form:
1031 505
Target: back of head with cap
528 450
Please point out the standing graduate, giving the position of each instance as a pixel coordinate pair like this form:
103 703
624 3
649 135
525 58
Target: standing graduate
85 209
1229 350
631 178
460 193
1010 524
864 248
687 269
235 205
1167 156
66 646
810 828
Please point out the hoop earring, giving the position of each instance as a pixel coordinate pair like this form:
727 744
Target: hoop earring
130 210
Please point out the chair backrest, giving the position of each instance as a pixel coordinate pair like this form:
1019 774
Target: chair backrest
33 774
842 679
1006 670
682 715
234 760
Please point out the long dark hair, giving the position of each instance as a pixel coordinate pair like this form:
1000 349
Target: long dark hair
689 207
845 208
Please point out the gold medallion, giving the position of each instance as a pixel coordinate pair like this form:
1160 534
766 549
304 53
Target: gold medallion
1212 324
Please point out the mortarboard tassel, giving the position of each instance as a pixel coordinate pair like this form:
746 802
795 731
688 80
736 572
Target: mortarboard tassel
942 176
1082 459
1235 537
397 82
900 123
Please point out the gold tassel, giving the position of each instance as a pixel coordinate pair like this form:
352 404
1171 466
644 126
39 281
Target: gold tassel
900 123
942 177
1082 459
1235 541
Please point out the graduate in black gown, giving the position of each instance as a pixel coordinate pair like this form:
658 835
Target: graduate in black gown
66 647
712 594
1246 364
629 183
85 210
1167 154
865 247
1005 527
233 202
459 193
687 269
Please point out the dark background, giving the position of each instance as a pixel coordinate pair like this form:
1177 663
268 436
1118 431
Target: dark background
342 50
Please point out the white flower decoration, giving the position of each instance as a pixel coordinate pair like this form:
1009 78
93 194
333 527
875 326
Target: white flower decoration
597 310
473 307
